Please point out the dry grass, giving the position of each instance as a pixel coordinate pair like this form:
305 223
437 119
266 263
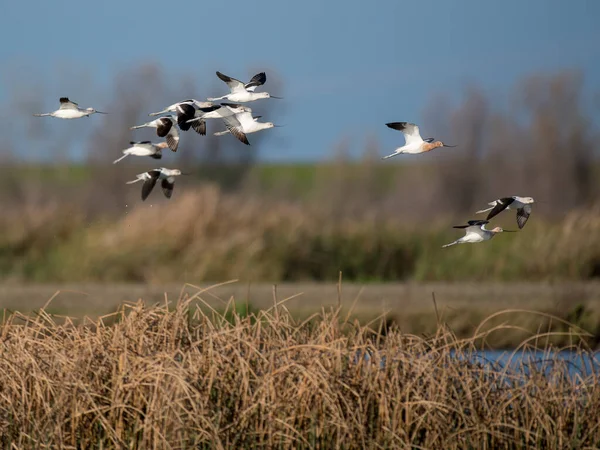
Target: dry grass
175 376
210 235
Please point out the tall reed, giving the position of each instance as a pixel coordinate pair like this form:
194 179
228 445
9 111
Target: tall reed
176 376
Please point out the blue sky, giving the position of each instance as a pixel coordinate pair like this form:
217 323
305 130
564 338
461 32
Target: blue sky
347 66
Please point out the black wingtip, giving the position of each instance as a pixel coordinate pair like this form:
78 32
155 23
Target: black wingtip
223 77
396 125
183 125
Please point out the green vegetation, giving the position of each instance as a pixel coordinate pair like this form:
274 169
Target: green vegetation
207 235
180 376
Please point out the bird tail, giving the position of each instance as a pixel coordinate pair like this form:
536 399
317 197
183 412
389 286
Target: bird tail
139 126
164 111
389 156
134 181
119 159
221 133
484 210
450 244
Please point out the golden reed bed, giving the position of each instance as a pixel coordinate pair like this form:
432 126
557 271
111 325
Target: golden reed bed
186 376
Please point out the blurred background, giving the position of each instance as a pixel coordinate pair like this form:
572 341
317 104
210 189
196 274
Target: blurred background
515 85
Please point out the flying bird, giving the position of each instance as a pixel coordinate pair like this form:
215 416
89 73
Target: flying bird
242 123
243 92
143 148
187 110
165 127
475 232
219 112
414 142
521 204
167 177
173 107
70 110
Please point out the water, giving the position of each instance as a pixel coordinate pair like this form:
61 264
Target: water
522 363
578 364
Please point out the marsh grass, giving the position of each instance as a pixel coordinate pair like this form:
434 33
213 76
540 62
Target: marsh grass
186 375
214 235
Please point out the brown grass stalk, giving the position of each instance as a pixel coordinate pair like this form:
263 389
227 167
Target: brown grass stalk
181 375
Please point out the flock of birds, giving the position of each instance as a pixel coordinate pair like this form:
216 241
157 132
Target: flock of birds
240 122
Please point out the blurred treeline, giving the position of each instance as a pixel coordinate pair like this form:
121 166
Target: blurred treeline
373 220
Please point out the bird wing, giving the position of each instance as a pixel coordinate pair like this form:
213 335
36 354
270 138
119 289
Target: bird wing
164 126
235 127
245 118
173 139
149 183
185 112
234 85
234 108
167 186
478 223
200 127
429 140
501 205
65 103
472 224
257 80
410 131
522 215
207 109
167 129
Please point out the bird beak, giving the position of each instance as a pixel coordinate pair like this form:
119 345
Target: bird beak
278 98
100 112
186 173
510 231
279 126
449 145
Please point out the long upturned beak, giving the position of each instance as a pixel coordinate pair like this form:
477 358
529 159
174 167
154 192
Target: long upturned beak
100 112
279 126
449 145
278 98
510 231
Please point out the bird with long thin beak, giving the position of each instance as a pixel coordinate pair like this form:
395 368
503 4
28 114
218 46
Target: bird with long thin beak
475 231
70 110
167 177
242 123
243 92
521 204
414 142
165 127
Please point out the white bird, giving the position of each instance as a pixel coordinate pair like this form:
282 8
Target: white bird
70 110
218 112
173 107
521 204
152 176
475 232
242 123
243 92
189 109
165 127
143 148
414 142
